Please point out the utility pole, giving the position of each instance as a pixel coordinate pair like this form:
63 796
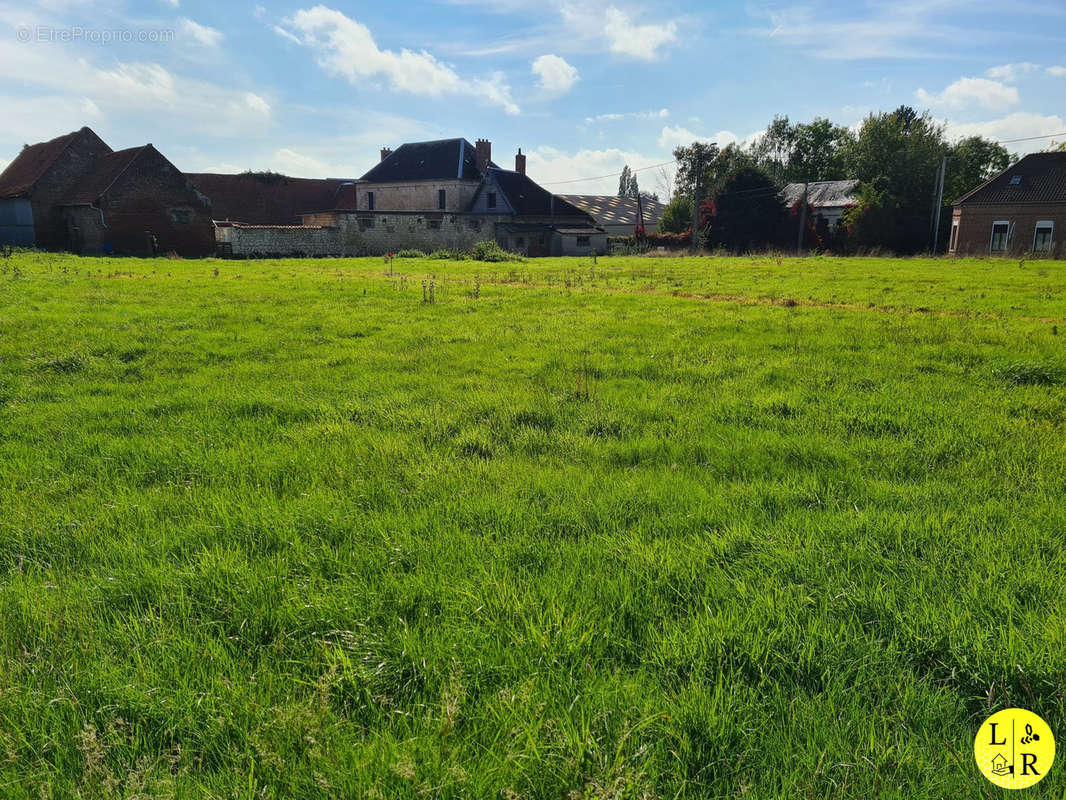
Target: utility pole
803 223
696 201
939 200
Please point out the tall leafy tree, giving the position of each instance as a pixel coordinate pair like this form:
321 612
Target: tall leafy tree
677 215
746 212
972 161
627 183
697 153
812 151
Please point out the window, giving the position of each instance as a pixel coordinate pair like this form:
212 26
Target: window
442 199
433 224
1000 236
180 216
369 201
520 241
490 200
1045 229
582 241
954 243
474 224
1015 180
365 223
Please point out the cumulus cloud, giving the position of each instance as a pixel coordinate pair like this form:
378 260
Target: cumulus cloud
620 32
673 136
969 92
1019 125
556 169
1057 72
1010 72
346 48
199 34
555 74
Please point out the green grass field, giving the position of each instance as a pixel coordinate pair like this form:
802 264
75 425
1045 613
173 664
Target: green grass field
647 528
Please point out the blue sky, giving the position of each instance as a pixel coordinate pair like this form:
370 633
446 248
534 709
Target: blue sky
583 87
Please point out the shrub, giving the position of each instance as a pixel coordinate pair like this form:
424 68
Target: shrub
410 254
491 251
444 255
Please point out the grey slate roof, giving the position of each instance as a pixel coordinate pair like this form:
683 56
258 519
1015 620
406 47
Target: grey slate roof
444 159
609 209
528 199
822 194
1041 179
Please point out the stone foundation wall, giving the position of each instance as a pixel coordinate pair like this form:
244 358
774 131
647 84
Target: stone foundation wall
279 240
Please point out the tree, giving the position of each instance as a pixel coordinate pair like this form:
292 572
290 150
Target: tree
627 183
746 212
897 157
802 152
687 158
677 215
972 162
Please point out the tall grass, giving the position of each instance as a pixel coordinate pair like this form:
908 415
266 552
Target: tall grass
634 529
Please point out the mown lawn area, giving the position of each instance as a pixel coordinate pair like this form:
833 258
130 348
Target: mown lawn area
644 528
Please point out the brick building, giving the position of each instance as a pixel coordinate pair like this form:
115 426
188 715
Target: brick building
1021 210
75 193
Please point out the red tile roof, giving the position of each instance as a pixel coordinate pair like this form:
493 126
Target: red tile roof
271 199
105 172
23 173
1041 178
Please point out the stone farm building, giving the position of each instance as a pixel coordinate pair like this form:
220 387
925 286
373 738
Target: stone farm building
75 193
619 216
1021 210
828 200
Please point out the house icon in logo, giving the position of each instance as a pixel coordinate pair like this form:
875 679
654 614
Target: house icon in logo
999 765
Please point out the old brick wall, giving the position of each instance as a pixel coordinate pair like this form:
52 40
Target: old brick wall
70 167
975 227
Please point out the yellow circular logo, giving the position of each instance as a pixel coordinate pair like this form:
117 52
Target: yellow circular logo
1014 748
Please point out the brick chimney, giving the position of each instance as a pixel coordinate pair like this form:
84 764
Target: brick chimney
385 152
484 154
520 162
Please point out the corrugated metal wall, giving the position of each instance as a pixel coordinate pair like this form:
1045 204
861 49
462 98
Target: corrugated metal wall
16 222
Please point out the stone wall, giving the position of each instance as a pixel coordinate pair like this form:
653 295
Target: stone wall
258 241
417 195
390 231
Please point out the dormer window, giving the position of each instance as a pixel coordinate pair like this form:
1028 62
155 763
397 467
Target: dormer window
490 200
1015 180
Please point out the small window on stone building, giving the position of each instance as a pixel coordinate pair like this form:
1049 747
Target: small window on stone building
180 216
1042 238
369 201
433 224
1000 236
582 241
490 200
442 199
474 224
366 223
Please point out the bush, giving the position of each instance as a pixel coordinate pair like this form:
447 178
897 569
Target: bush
444 255
410 254
491 251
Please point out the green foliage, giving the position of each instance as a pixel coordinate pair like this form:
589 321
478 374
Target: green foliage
445 255
411 254
266 176
746 213
677 215
972 161
649 528
491 251
627 183
799 152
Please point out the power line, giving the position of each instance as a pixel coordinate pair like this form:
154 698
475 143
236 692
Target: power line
1028 138
601 177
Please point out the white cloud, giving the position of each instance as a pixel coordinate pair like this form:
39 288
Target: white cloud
555 74
346 48
1019 125
969 92
619 32
662 113
3 164
673 136
171 3
1057 72
639 41
291 162
1010 72
556 169
125 90
199 34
